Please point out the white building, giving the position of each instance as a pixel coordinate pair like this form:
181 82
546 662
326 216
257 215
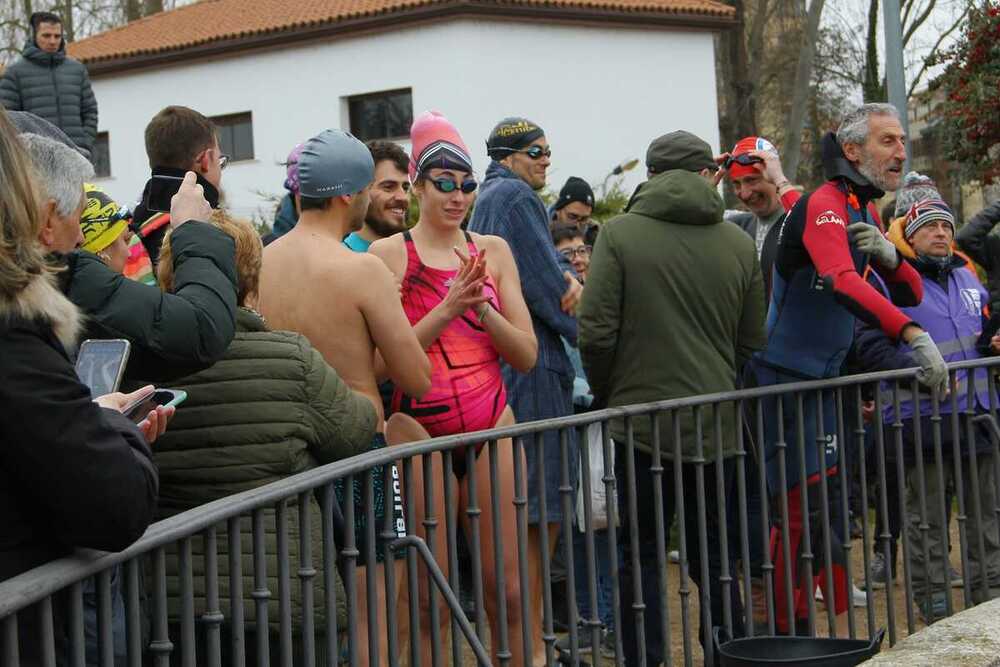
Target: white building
602 77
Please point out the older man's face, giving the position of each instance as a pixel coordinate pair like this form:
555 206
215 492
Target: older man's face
880 159
62 233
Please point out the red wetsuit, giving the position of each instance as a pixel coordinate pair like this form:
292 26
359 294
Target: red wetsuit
467 391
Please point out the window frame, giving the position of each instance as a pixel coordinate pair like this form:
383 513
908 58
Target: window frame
230 122
351 100
106 137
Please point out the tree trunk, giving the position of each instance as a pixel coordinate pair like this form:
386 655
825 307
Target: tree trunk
800 93
872 86
26 5
69 27
755 41
133 10
739 116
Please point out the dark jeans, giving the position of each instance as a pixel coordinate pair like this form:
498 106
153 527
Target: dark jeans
645 525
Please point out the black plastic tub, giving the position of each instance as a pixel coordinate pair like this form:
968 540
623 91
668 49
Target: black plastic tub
781 651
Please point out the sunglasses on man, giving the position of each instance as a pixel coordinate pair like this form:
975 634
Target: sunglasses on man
449 185
534 152
744 159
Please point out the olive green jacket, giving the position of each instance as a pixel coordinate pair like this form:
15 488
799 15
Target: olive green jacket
271 408
673 307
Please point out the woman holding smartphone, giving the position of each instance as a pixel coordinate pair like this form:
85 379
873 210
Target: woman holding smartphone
74 472
462 294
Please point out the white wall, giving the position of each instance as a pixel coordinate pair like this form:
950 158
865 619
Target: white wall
601 94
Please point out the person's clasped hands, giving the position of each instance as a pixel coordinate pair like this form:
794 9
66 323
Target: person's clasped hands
466 289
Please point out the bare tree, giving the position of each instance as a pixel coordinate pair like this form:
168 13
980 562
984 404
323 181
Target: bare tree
738 117
801 91
930 57
66 12
873 87
80 18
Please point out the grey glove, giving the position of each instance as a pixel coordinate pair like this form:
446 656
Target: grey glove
933 371
868 239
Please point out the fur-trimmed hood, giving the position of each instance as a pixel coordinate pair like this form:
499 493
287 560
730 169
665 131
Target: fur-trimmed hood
41 301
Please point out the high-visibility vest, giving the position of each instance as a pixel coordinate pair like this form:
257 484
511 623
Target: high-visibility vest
954 319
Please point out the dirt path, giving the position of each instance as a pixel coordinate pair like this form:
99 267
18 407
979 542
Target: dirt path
879 601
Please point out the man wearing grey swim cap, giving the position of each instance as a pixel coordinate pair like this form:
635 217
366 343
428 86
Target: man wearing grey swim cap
347 304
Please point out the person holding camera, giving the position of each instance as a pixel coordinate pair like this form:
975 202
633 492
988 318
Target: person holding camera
178 140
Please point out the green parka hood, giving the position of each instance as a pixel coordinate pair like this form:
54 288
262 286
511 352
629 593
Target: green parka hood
679 196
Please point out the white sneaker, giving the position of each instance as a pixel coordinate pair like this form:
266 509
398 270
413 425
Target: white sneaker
858 597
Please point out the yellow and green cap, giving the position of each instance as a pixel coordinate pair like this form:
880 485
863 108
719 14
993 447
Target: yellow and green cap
103 220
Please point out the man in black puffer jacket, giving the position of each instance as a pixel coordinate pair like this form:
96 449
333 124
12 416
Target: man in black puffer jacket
977 241
50 84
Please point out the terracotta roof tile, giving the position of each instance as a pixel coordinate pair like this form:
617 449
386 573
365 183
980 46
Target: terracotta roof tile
215 20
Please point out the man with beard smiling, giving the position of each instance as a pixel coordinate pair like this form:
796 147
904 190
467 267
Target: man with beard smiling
825 244
390 197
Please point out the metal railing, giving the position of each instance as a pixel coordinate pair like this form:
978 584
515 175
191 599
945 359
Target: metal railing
161 626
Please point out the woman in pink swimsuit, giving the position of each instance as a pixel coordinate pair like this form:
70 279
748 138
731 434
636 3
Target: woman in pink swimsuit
462 294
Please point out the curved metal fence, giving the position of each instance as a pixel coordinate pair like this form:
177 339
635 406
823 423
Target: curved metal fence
160 601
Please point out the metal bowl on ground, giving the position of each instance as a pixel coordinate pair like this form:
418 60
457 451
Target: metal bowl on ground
783 651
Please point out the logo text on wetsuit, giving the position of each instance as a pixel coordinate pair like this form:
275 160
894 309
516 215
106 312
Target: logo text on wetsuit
827 217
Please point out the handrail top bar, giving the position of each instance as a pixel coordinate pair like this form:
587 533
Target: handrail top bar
36 584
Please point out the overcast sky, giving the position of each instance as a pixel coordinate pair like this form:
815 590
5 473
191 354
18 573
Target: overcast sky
848 15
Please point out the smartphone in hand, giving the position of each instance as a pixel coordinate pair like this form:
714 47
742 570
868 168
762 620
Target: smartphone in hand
162 189
100 364
140 409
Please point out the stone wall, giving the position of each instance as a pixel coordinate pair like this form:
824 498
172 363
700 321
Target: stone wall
967 639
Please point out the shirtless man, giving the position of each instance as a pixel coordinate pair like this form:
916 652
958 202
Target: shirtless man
348 305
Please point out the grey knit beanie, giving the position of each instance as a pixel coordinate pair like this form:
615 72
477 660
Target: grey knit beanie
915 188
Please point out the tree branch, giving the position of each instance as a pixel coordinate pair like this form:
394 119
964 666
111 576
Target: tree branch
919 21
923 69
907 8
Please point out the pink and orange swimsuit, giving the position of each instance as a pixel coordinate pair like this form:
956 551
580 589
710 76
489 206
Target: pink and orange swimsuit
467 391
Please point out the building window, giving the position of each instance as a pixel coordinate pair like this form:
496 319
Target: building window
235 135
385 115
102 156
